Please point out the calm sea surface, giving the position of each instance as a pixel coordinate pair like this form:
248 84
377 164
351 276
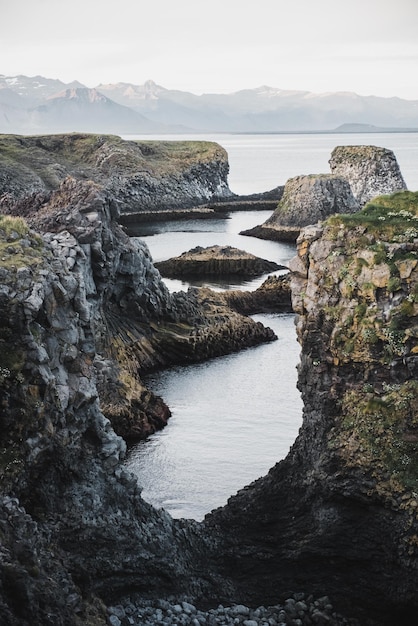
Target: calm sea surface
234 417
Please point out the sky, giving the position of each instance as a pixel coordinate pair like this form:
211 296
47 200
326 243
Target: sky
369 47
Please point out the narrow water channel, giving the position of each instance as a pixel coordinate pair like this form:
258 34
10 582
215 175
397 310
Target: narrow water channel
233 417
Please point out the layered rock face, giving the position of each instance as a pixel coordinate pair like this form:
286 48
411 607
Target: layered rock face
139 175
370 170
340 512
83 312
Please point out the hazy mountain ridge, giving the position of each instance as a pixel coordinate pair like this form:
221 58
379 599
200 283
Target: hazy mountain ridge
37 105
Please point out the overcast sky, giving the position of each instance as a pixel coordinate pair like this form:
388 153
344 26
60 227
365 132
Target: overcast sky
217 46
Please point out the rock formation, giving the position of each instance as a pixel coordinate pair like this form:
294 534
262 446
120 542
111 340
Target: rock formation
138 175
306 200
370 170
273 296
340 512
83 313
135 323
358 174
216 261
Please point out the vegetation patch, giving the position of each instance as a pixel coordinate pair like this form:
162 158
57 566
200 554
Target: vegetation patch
392 218
380 432
19 247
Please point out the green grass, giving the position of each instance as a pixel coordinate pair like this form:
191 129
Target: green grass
11 225
392 218
385 431
104 152
14 253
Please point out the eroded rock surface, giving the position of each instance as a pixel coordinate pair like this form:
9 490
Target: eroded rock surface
358 174
83 313
82 308
371 171
139 175
306 200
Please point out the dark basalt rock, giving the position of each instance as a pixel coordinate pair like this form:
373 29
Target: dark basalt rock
137 175
216 261
272 296
339 513
358 173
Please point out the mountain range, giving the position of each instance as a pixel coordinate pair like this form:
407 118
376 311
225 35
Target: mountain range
32 105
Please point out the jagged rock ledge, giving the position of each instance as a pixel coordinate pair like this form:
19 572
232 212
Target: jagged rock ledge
81 305
216 261
273 296
138 324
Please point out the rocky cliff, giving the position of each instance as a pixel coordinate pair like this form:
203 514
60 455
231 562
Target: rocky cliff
83 313
139 175
306 200
340 512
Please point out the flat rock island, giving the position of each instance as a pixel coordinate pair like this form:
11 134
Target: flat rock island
216 261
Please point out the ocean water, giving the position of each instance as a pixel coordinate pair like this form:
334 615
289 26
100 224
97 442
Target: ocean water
262 162
234 417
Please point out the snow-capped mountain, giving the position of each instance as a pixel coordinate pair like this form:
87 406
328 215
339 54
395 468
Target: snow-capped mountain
38 104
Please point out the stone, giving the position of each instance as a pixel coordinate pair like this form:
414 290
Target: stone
336 516
370 170
306 200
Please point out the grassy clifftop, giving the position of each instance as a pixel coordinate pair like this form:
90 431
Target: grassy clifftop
38 163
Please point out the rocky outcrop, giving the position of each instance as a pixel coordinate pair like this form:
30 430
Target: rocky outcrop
358 174
216 261
138 175
370 170
273 296
306 200
340 512
136 324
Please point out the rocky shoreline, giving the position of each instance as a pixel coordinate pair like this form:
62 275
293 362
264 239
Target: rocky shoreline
298 610
358 174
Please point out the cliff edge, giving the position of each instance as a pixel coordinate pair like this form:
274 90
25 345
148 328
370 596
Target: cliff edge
340 512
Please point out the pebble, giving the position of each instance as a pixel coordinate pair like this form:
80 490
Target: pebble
302 611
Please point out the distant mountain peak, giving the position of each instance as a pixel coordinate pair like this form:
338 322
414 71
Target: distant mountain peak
121 91
83 94
29 104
